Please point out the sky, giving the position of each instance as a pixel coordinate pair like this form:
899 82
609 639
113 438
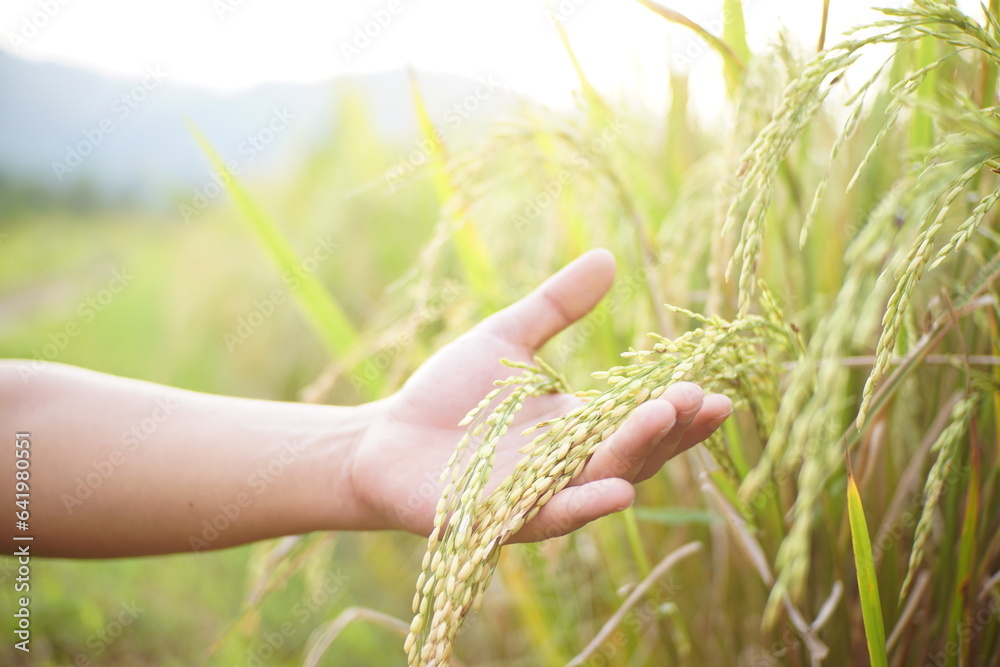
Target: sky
233 44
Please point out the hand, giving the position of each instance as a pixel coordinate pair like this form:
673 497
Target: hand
397 465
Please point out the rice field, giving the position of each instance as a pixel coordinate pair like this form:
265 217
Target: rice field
826 254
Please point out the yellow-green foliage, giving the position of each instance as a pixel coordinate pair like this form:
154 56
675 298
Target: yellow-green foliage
856 209
804 433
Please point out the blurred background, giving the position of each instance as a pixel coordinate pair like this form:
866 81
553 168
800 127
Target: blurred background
322 111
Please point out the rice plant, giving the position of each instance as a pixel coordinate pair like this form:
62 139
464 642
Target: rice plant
830 259
805 435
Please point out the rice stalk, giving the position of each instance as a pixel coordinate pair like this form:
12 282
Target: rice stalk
664 566
469 531
803 416
804 97
915 263
805 434
945 446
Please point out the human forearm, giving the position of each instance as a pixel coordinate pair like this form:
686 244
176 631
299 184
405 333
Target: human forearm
121 467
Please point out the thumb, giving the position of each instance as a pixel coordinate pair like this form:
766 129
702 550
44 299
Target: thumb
558 302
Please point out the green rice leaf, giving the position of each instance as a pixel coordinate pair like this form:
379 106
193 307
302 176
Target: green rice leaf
962 596
871 603
733 64
734 34
469 245
321 309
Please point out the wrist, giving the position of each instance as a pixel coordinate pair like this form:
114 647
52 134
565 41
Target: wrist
298 460
334 497
365 468
377 457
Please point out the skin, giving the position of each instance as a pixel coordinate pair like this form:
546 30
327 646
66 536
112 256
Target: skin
121 467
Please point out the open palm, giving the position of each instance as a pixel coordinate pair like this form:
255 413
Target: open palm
397 466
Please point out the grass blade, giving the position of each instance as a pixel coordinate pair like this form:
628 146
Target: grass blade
321 309
535 617
734 65
472 253
963 598
634 597
594 100
734 34
569 218
871 603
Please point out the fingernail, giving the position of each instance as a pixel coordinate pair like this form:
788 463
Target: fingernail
717 422
626 506
687 397
690 390
662 433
